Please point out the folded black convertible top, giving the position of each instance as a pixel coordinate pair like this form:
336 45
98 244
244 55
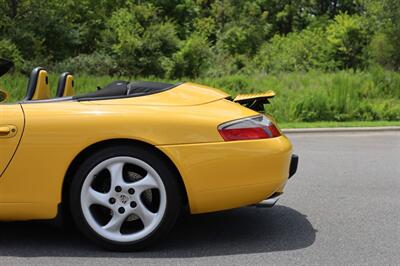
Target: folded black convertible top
123 89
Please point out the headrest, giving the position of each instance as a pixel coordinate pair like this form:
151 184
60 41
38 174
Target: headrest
65 85
38 85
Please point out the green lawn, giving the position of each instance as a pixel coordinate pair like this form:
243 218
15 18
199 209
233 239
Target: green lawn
325 124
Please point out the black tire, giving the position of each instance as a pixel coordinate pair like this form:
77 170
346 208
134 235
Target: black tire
167 175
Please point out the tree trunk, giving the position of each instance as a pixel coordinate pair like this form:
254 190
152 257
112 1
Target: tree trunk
334 8
13 8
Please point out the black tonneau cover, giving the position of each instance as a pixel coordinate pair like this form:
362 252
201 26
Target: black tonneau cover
125 89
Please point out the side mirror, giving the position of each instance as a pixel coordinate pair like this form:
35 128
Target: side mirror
3 96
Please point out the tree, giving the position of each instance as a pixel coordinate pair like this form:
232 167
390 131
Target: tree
389 32
141 43
193 58
349 36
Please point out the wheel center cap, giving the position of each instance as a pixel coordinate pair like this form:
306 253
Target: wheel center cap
123 198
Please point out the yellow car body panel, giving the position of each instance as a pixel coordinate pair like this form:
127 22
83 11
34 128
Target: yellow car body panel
227 175
181 122
11 128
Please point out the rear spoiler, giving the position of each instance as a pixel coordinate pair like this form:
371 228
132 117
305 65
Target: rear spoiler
5 66
255 101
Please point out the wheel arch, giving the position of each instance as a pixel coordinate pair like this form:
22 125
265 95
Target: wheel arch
84 154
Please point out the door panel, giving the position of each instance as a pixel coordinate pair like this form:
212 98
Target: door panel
11 128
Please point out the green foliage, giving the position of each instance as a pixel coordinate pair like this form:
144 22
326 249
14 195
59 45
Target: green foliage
205 27
301 51
159 38
10 51
332 124
193 57
140 44
313 106
384 48
349 36
242 26
92 64
381 50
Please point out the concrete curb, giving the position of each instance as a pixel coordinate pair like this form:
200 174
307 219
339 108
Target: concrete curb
341 129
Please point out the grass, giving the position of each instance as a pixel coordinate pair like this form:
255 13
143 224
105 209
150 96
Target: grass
329 124
340 98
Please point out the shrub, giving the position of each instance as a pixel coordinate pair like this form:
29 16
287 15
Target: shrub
235 40
384 83
313 106
366 111
140 43
154 55
390 112
193 57
92 64
301 51
233 84
9 51
349 36
381 50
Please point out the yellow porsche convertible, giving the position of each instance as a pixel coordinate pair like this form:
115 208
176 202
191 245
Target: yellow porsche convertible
124 160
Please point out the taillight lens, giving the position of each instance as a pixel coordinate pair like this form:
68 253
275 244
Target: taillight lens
256 127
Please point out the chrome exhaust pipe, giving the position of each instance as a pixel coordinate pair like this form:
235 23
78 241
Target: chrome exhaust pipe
270 202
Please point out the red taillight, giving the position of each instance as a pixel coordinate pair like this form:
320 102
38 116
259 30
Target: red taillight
274 130
257 127
243 133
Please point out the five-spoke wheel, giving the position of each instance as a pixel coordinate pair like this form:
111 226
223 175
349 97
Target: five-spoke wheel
125 199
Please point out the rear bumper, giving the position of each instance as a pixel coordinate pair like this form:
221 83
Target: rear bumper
227 175
270 202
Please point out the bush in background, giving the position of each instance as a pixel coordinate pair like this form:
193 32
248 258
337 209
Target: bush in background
349 36
192 59
139 41
10 51
300 51
93 64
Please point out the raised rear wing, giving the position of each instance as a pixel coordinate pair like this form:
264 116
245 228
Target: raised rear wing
255 101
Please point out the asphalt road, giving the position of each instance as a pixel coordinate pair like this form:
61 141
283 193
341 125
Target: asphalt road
342 207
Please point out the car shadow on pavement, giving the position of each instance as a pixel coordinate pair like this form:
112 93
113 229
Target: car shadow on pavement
241 231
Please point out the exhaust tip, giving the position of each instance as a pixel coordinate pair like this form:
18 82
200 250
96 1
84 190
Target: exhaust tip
270 202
